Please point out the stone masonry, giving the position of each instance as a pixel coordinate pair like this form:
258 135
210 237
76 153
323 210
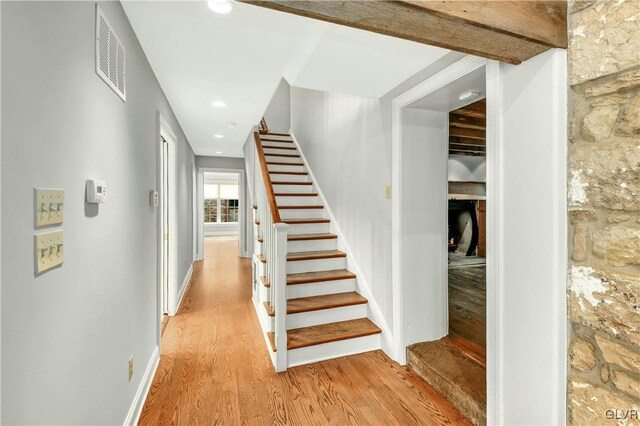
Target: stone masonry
604 212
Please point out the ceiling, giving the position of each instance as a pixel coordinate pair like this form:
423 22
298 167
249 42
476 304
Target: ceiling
239 58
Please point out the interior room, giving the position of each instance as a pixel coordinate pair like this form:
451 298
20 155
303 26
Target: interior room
221 204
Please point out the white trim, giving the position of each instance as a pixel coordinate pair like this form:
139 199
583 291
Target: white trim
183 287
361 283
194 212
450 74
143 389
494 244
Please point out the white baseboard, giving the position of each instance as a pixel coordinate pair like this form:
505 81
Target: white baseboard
183 288
143 390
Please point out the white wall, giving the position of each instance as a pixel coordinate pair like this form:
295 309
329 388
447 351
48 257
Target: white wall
278 113
532 342
68 334
465 168
424 224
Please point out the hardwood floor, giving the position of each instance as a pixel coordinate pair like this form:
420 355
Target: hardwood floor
467 303
215 368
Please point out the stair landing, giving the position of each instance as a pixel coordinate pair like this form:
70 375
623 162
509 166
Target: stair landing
454 374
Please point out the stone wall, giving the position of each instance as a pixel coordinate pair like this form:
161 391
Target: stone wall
604 212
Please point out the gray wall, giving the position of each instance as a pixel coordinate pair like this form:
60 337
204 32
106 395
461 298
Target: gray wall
68 334
347 142
219 162
278 113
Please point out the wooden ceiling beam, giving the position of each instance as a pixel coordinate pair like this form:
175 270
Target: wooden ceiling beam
465 122
467 141
509 31
467 133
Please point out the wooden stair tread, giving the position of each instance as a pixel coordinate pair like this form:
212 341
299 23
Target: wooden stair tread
270 311
332 332
275 134
327 301
288 148
326 333
272 340
259 239
256 222
318 303
296 194
315 277
265 281
254 207
302 207
261 258
290 183
283 163
306 237
271 172
313 255
305 221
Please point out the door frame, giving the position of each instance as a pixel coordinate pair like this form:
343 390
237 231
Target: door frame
452 73
500 198
167 299
242 225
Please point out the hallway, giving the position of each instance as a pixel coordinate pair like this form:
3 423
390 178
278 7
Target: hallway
214 367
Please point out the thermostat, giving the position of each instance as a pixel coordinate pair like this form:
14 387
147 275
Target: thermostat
96 191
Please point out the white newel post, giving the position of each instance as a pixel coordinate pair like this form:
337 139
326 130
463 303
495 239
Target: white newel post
280 294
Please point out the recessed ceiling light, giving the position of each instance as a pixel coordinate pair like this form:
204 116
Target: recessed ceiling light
468 95
218 104
218 152
220 6
218 136
231 124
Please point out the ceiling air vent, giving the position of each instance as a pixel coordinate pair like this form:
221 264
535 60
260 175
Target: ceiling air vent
110 55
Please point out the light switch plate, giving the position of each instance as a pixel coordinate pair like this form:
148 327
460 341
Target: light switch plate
49 250
49 206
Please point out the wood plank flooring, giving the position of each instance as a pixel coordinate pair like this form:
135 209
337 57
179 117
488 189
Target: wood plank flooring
467 303
215 368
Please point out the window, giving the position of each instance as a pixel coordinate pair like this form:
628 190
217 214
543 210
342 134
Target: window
220 203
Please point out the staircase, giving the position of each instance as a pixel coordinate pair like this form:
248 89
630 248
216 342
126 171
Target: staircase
306 298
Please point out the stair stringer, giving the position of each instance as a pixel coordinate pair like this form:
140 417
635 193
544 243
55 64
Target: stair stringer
374 312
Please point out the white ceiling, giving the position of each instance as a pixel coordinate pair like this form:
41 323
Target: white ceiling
447 98
200 56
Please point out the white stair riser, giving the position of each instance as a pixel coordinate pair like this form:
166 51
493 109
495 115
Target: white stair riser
316 353
289 178
319 289
297 201
279 150
302 213
312 245
309 228
324 316
288 189
302 266
281 142
270 158
266 321
283 168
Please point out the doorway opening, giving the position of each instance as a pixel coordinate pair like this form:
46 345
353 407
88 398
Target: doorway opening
221 210
441 191
167 223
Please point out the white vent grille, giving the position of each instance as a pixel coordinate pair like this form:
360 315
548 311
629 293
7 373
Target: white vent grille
110 55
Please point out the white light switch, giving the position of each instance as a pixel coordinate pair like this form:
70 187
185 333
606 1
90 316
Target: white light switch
49 206
49 250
